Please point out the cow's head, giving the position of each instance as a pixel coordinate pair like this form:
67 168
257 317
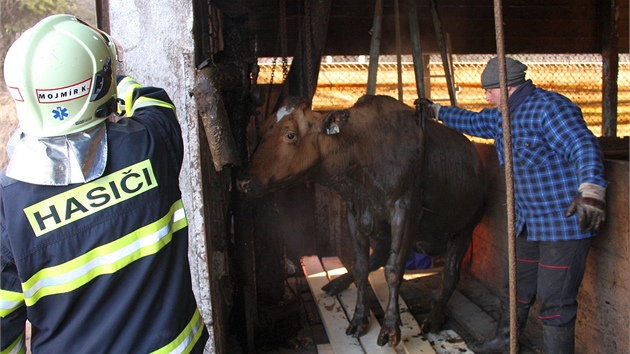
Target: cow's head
289 149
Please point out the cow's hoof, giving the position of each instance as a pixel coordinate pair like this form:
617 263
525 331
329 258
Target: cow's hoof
335 286
433 323
357 328
389 335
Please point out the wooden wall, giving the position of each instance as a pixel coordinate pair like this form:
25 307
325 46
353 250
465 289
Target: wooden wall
603 324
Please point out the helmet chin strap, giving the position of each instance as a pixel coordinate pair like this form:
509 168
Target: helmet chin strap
110 107
102 81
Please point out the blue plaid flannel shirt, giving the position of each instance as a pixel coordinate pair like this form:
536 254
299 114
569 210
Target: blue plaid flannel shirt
553 152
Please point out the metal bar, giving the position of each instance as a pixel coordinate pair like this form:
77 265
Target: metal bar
509 174
375 47
437 23
398 50
416 48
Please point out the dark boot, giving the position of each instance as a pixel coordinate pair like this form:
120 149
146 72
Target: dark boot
559 340
500 343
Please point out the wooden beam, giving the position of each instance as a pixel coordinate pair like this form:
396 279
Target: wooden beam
610 66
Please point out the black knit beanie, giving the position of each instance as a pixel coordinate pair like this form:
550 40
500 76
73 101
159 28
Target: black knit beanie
515 73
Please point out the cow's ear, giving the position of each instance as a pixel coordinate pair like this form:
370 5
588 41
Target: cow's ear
335 121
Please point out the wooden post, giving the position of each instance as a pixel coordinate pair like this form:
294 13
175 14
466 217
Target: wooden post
398 50
610 66
102 15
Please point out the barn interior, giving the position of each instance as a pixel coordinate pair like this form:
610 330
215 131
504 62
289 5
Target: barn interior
252 248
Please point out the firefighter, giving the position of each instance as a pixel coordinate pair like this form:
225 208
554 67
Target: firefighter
92 227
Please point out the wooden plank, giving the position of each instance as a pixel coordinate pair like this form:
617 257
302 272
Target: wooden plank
469 315
330 310
348 299
325 348
412 340
448 342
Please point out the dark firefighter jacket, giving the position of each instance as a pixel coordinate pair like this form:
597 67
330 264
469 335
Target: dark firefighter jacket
102 267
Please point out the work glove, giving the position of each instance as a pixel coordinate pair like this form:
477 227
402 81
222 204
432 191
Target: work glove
434 107
590 205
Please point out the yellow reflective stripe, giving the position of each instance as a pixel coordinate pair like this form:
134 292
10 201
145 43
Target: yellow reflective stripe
10 301
105 259
148 102
125 88
16 347
187 339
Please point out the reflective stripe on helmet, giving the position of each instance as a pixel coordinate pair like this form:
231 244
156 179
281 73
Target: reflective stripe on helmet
106 259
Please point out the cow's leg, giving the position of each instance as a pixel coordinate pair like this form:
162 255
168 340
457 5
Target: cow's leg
458 244
360 321
394 271
378 258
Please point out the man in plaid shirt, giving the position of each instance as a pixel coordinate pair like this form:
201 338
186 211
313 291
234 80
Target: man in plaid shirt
560 196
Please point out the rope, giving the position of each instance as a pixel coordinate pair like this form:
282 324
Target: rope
509 174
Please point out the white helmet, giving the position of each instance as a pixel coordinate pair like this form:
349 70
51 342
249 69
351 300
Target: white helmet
61 74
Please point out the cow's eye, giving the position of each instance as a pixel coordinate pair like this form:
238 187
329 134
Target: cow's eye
291 138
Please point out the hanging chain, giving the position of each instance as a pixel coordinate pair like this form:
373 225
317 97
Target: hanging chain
283 43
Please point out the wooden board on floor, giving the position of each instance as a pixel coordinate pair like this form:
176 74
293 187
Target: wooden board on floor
348 298
444 342
330 310
411 336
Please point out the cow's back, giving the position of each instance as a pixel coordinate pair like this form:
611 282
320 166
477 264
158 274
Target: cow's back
453 178
382 139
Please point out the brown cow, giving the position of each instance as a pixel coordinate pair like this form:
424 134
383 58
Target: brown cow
404 185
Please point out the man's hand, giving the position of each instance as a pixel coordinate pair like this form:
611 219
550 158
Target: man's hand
427 103
590 205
